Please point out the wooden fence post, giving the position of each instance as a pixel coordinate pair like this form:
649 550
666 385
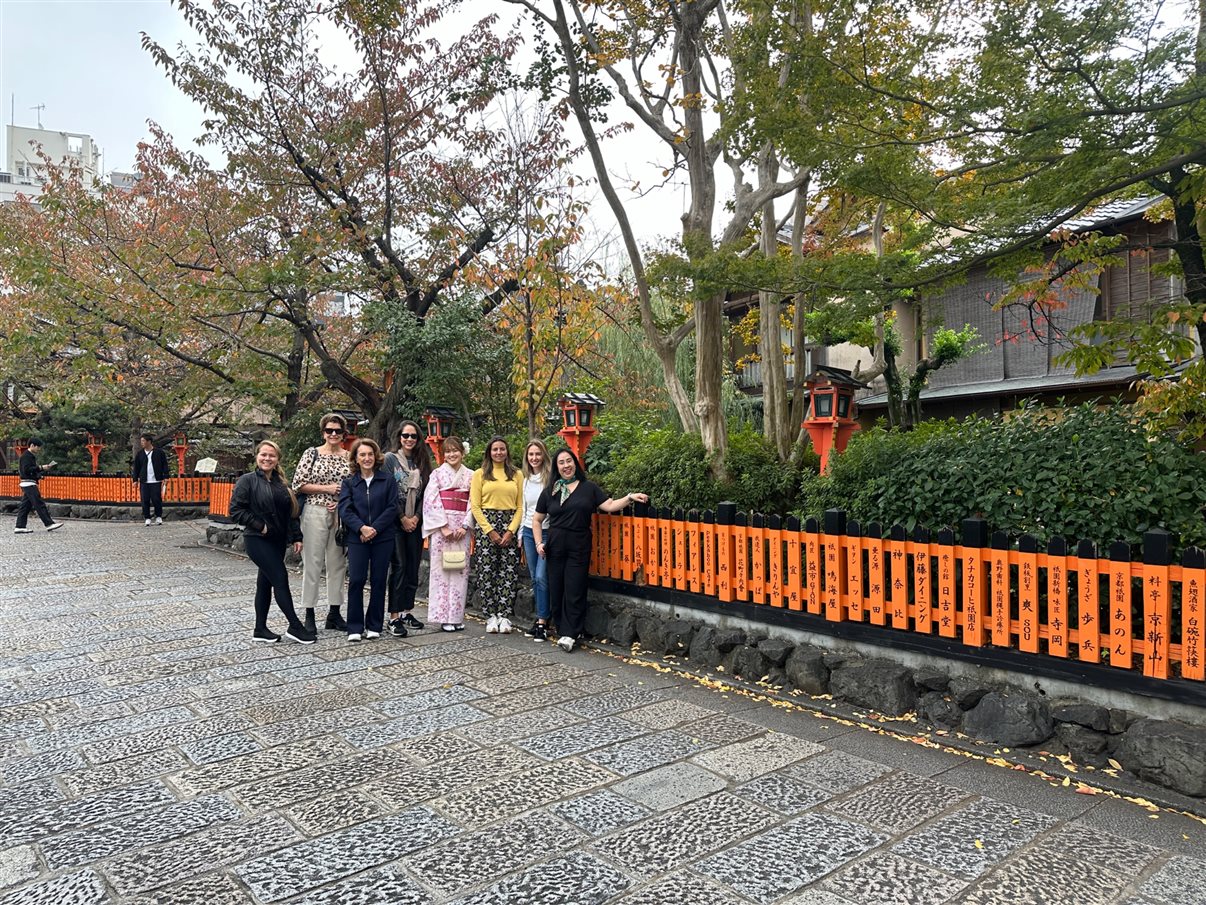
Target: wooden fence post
948 622
1120 606
1157 605
835 564
923 582
975 581
1057 597
1028 622
1193 611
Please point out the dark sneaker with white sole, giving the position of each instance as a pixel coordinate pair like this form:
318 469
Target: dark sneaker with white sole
301 635
397 628
410 621
539 632
264 636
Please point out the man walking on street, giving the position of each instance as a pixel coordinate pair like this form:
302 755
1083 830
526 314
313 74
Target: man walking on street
29 472
150 470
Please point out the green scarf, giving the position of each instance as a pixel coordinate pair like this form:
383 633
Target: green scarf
561 487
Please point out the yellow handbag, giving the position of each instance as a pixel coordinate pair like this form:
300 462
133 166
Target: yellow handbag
452 560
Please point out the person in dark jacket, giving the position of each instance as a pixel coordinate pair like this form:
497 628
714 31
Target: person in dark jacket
411 468
368 507
266 508
149 470
29 472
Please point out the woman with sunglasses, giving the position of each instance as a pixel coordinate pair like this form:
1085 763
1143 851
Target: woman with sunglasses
319 475
562 526
411 469
446 522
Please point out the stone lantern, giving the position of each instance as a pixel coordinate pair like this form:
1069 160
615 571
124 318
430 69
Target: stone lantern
831 410
439 428
578 412
96 442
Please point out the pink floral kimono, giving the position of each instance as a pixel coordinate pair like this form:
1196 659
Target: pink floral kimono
446 504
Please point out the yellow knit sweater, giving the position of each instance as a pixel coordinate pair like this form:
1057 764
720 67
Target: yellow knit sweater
497 494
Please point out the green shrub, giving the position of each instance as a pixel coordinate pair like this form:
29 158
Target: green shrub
1079 473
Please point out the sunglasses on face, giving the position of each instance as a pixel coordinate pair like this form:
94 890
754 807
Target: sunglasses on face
332 430
410 436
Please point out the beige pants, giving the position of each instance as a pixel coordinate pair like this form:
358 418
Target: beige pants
319 550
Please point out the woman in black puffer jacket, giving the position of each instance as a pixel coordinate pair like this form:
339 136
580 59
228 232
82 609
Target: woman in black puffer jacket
266 508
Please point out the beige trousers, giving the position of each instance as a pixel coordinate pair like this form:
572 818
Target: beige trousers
320 551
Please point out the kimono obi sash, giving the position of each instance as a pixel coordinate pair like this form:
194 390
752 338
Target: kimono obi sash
455 500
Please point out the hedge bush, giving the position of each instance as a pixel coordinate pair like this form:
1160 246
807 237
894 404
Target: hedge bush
1081 473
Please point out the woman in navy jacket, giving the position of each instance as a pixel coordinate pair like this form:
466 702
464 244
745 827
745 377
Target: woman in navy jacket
368 506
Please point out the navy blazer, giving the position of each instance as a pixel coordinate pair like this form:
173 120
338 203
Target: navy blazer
378 506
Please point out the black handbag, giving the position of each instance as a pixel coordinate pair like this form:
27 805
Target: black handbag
341 534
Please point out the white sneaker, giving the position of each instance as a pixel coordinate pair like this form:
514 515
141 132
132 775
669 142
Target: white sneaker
504 626
566 643
492 625
55 527
371 636
23 531
354 636
147 523
158 521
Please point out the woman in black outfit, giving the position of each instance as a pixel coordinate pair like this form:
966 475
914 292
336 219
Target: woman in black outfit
368 506
561 527
411 468
266 508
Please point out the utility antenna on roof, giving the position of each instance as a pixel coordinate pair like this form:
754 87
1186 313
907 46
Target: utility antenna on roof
39 108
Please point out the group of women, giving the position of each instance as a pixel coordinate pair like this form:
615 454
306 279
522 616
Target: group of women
389 504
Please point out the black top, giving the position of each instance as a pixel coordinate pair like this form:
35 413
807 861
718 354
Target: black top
138 468
575 513
28 467
257 501
376 506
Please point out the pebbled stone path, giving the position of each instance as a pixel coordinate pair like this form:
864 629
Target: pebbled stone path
150 754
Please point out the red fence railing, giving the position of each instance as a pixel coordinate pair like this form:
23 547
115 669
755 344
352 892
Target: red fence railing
1143 616
107 489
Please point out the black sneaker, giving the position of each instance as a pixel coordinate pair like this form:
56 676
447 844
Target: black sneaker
539 632
409 620
397 628
309 622
301 635
335 621
264 636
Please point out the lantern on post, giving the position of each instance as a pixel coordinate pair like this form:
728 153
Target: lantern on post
96 442
20 446
578 421
180 444
831 410
439 429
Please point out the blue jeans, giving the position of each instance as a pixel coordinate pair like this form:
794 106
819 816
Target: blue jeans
538 569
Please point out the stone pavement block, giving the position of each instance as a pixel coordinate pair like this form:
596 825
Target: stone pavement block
83 734
1045 877
783 793
315 724
837 771
412 725
444 777
485 669
18 865
308 865
481 857
277 761
680 889
1170 832
215 889
135 830
493 800
219 747
599 813
647 752
1182 881
428 700
898 802
521 725
383 886
529 699
614 701
669 787
742 761
183 859
121 772
886 879
267 791
896 753
318 816
782 860
433 749
22 769
668 714
669 841
970 840
818 896
81 888
296 702
1122 856
527 678
576 878
168 736
59 816
721 729
569 740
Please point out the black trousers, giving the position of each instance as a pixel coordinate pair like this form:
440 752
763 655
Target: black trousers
363 559
404 570
568 566
268 553
152 495
31 501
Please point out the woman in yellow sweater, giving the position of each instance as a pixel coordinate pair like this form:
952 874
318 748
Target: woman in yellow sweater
496 499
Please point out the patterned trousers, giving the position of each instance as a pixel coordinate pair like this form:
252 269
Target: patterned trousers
496 568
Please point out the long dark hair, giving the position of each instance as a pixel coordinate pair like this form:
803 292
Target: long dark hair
422 451
488 463
579 471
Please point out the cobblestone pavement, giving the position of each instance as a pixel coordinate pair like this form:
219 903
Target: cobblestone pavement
150 753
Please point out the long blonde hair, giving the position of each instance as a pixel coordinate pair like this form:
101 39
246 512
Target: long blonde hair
546 464
278 471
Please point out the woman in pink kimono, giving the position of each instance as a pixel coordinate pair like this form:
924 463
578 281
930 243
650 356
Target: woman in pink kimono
447 522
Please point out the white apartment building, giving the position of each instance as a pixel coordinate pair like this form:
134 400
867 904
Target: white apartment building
25 171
